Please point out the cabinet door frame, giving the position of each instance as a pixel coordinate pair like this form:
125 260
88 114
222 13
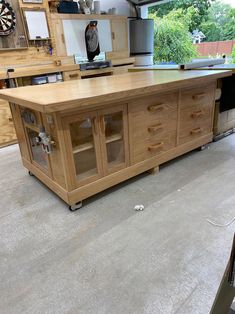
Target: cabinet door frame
36 128
66 121
114 109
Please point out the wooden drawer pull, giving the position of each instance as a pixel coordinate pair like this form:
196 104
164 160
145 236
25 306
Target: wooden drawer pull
156 146
158 107
197 114
196 131
73 75
155 128
199 96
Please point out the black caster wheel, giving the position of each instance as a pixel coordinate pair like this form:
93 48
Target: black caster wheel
75 207
31 174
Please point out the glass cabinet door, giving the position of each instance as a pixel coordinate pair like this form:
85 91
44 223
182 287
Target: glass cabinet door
83 134
113 126
37 154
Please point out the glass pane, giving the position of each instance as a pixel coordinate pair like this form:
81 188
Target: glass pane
114 138
83 148
38 155
85 164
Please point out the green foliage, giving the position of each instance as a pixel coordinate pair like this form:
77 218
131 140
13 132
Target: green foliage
220 24
212 31
214 18
172 42
198 9
233 54
229 27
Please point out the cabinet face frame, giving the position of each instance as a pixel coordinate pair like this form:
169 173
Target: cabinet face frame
66 121
115 109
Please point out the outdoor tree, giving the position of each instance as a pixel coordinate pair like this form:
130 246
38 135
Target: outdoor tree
220 24
172 42
233 54
213 18
200 10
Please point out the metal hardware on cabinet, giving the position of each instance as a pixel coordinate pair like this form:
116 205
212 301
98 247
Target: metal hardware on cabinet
45 141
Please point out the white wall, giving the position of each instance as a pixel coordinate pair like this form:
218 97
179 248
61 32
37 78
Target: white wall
122 6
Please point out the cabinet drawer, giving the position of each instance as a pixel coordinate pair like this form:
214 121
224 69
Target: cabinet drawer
195 115
155 109
198 96
71 75
151 146
153 125
194 131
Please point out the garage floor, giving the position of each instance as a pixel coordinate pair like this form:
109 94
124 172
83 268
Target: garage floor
107 258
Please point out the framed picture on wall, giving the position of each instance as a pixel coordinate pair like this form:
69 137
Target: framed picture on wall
36 24
12 31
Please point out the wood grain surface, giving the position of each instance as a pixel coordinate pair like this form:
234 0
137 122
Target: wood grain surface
86 93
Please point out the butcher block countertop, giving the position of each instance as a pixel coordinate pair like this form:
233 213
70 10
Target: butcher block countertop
82 94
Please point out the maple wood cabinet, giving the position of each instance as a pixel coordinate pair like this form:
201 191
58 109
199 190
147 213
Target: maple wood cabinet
109 136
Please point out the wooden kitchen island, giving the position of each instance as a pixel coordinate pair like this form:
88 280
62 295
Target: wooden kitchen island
82 137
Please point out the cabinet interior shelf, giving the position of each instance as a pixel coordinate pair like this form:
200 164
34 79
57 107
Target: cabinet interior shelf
87 146
113 138
82 148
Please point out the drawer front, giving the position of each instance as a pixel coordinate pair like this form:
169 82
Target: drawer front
195 115
156 108
196 110
153 146
198 96
194 131
153 125
71 75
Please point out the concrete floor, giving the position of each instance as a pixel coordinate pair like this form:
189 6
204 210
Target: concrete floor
109 259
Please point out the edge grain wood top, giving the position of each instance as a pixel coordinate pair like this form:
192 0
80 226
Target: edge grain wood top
80 94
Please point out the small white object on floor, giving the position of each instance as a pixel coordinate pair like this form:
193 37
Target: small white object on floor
139 207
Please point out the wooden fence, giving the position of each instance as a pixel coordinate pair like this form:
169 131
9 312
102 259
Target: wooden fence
216 47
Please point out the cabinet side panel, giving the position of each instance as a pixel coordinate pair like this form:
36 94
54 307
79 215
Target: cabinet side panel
16 114
56 165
